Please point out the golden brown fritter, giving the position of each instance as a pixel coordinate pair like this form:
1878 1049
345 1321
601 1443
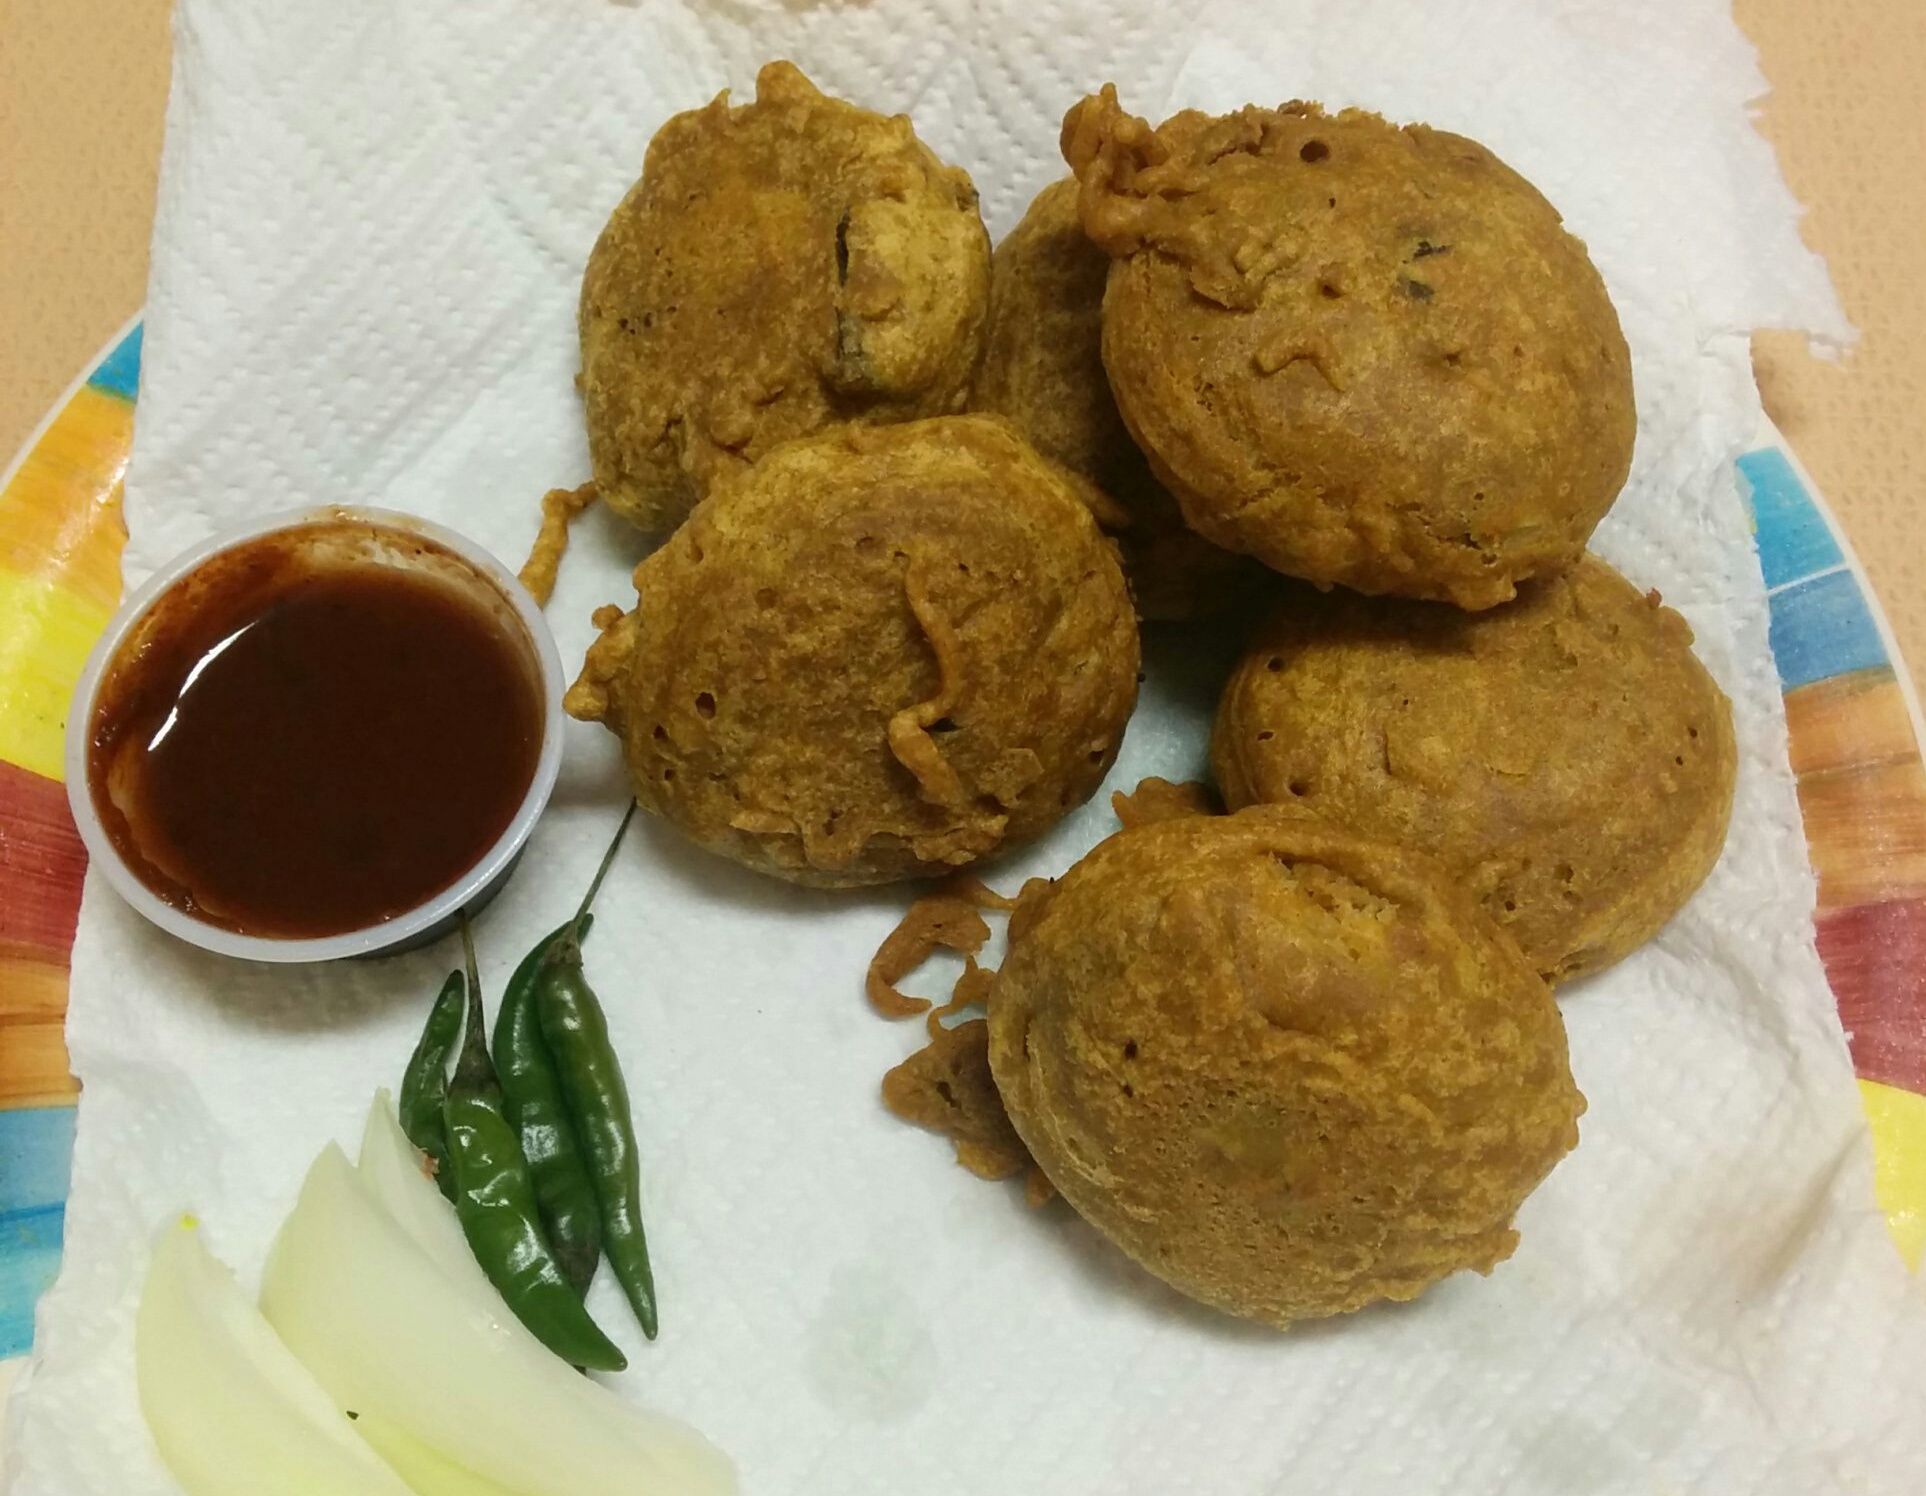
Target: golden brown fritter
1567 755
1363 354
1287 1070
780 266
1043 371
883 652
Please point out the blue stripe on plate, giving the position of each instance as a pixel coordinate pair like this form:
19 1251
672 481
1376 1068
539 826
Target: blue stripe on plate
1822 627
36 1155
29 1258
119 371
1794 539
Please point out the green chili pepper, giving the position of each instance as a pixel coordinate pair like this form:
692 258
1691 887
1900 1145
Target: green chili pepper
535 1105
495 1199
577 1032
424 1084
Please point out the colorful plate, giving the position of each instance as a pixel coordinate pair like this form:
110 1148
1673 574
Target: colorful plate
1854 722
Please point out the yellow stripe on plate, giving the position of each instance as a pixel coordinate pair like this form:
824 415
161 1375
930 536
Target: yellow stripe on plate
45 633
60 515
1898 1122
33 1065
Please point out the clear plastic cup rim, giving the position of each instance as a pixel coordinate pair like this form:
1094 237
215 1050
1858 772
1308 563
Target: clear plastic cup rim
404 929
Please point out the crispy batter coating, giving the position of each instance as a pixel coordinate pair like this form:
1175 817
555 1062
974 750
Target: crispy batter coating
883 652
1364 354
1567 756
1043 371
1287 1070
780 266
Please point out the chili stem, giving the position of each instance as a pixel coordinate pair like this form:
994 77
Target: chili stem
569 947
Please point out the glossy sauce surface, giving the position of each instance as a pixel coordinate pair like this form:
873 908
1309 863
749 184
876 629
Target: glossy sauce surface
292 750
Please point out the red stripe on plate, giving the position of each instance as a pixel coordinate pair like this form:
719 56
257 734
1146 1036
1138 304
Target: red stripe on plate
1875 955
41 865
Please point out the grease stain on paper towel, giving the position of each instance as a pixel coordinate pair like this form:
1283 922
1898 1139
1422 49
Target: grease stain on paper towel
869 1353
1577 1453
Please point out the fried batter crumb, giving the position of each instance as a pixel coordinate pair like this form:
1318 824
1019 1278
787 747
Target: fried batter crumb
1156 799
946 1086
559 508
972 990
948 920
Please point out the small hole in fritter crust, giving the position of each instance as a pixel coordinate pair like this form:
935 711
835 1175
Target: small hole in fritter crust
1299 787
765 597
1265 736
705 704
1313 150
1130 1049
1274 663
943 724
661 733
668 776
1329 291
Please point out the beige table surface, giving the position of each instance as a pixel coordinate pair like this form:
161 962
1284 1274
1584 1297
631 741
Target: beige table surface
83 85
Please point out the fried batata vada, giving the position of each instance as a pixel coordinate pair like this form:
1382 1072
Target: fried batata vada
882 652
1364 354
1043 371
1566 755
781 266
1288 1070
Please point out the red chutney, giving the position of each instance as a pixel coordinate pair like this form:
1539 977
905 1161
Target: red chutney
294 748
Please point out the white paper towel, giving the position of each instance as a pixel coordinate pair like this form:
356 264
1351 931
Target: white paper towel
373 219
